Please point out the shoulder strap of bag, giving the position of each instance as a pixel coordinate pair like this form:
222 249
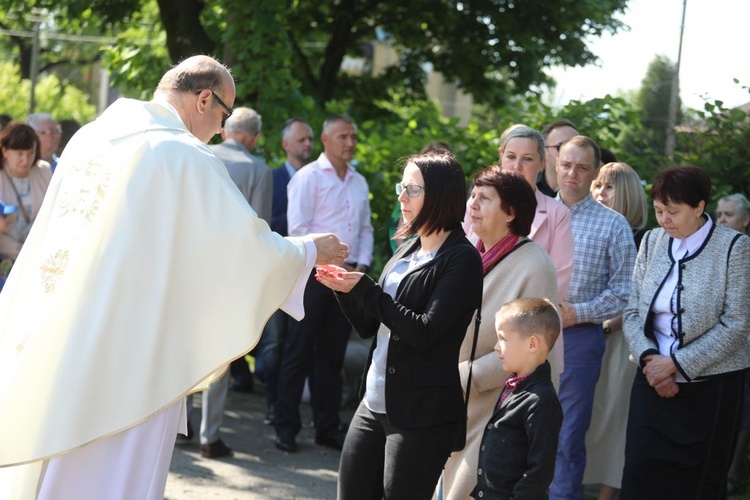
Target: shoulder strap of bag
477 322
18 197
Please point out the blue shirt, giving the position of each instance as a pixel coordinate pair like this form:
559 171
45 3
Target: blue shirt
375 385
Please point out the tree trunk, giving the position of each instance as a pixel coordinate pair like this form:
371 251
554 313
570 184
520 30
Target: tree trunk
341 36
185 34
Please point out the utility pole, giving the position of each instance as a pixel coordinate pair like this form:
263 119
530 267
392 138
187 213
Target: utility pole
34 64
675 96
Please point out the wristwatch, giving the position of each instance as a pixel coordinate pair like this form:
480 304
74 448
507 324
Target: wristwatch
607 329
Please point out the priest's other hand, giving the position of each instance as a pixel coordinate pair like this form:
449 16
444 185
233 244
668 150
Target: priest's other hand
330 249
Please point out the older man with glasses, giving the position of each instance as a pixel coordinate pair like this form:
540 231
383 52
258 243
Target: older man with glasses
146 274
49 136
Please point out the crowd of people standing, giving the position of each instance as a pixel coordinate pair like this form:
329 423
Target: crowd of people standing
641 377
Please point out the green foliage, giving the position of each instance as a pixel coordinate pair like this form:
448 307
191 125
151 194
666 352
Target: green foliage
14 92
719 141
255 42
61 101
135 66
494 48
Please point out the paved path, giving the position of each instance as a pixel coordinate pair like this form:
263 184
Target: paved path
257 470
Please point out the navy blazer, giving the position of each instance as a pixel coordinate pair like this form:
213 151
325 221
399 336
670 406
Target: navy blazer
428 318
280 201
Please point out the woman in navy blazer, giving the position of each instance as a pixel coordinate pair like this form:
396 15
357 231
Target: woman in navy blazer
409 420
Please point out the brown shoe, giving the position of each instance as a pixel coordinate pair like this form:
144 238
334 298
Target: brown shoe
216 449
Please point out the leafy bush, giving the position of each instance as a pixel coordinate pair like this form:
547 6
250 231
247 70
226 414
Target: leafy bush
51 95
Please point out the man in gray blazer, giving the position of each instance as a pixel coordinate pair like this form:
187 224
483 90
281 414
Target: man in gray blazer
251 174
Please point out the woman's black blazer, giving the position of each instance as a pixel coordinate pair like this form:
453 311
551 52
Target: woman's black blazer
428 318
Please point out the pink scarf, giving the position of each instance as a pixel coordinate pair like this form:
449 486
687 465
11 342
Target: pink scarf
497 252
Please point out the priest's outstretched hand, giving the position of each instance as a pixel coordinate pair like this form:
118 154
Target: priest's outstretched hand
330 249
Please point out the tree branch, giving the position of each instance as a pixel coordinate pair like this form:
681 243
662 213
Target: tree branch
304 61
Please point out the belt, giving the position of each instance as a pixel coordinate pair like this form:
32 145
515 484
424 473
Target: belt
584 325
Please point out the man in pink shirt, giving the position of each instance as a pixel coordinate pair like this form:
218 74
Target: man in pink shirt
327 193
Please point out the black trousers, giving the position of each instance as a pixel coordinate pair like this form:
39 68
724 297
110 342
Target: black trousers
314 347
381 461
682 447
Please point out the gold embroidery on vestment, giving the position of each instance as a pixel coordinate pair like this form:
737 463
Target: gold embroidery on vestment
92 180
20 346
53 268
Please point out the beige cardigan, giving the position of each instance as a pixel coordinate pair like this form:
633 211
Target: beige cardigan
526 272
39 179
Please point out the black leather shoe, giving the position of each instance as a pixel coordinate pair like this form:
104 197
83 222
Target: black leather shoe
216 449
286 442
335 440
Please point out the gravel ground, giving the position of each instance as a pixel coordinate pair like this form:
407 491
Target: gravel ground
257 470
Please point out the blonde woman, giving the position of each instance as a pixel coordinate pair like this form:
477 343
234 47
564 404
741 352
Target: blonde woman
619 188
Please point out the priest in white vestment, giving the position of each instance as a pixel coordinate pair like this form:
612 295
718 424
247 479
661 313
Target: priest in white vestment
145 274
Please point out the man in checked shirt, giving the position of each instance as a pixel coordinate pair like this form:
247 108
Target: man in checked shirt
603 262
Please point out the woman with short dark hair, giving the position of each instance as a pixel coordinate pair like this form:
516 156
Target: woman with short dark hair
501 210
24 179
409 420
686 324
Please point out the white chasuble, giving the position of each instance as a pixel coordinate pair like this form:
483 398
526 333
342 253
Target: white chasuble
145 274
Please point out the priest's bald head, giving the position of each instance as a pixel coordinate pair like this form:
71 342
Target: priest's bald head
202 91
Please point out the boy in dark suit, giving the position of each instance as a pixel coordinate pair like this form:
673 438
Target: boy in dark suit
517 456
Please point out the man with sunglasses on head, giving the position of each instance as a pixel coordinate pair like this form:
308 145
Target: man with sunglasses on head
555 134
145 275
328 193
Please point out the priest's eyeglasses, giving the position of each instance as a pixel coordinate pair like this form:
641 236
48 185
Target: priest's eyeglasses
229 111
412 190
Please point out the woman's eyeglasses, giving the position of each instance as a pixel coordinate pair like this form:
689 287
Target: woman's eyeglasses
412 190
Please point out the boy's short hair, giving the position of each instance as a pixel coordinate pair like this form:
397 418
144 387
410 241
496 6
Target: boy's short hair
529 316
